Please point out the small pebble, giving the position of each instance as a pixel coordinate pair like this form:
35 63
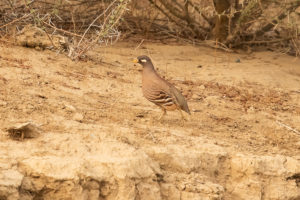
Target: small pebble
195 96
78 117
69 108
202 87
140 115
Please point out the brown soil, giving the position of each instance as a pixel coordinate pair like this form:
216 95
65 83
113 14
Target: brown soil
241 106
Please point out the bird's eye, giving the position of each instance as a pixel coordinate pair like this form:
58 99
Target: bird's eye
144 60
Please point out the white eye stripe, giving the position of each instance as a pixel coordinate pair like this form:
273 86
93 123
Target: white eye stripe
144 60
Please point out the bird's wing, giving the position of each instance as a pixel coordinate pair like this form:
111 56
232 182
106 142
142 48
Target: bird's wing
159 96
180 100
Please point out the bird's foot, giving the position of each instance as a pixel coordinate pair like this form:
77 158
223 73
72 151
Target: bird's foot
162 115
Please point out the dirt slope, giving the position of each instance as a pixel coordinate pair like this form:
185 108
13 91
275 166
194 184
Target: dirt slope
101 139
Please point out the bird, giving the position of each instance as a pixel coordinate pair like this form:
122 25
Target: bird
159 91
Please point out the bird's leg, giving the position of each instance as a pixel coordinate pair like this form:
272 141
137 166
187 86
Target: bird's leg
182 116
163 114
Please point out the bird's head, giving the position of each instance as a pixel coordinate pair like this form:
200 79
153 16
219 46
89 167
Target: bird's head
143 60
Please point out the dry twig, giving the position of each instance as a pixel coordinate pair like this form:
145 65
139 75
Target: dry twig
61 30
288 127
16 20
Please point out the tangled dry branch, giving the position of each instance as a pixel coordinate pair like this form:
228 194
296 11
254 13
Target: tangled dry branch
84 23
234 23
224 24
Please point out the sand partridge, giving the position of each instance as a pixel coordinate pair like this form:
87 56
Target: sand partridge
159 91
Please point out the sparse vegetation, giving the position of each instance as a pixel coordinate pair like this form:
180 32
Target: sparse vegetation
84 23
229 24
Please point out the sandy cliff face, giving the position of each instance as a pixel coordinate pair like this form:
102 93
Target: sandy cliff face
100 138
102 168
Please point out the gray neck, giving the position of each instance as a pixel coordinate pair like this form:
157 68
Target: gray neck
148 66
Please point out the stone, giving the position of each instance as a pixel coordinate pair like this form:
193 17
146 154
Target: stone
254 177
69 108
202 87
195 96
10 181
24 130
78 117
10 178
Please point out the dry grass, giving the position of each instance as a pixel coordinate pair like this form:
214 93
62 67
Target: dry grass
270 24
251 23
84 23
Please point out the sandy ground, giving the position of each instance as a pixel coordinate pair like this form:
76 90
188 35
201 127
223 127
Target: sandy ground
238 104
251 106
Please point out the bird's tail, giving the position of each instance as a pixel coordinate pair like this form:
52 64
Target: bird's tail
180 100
